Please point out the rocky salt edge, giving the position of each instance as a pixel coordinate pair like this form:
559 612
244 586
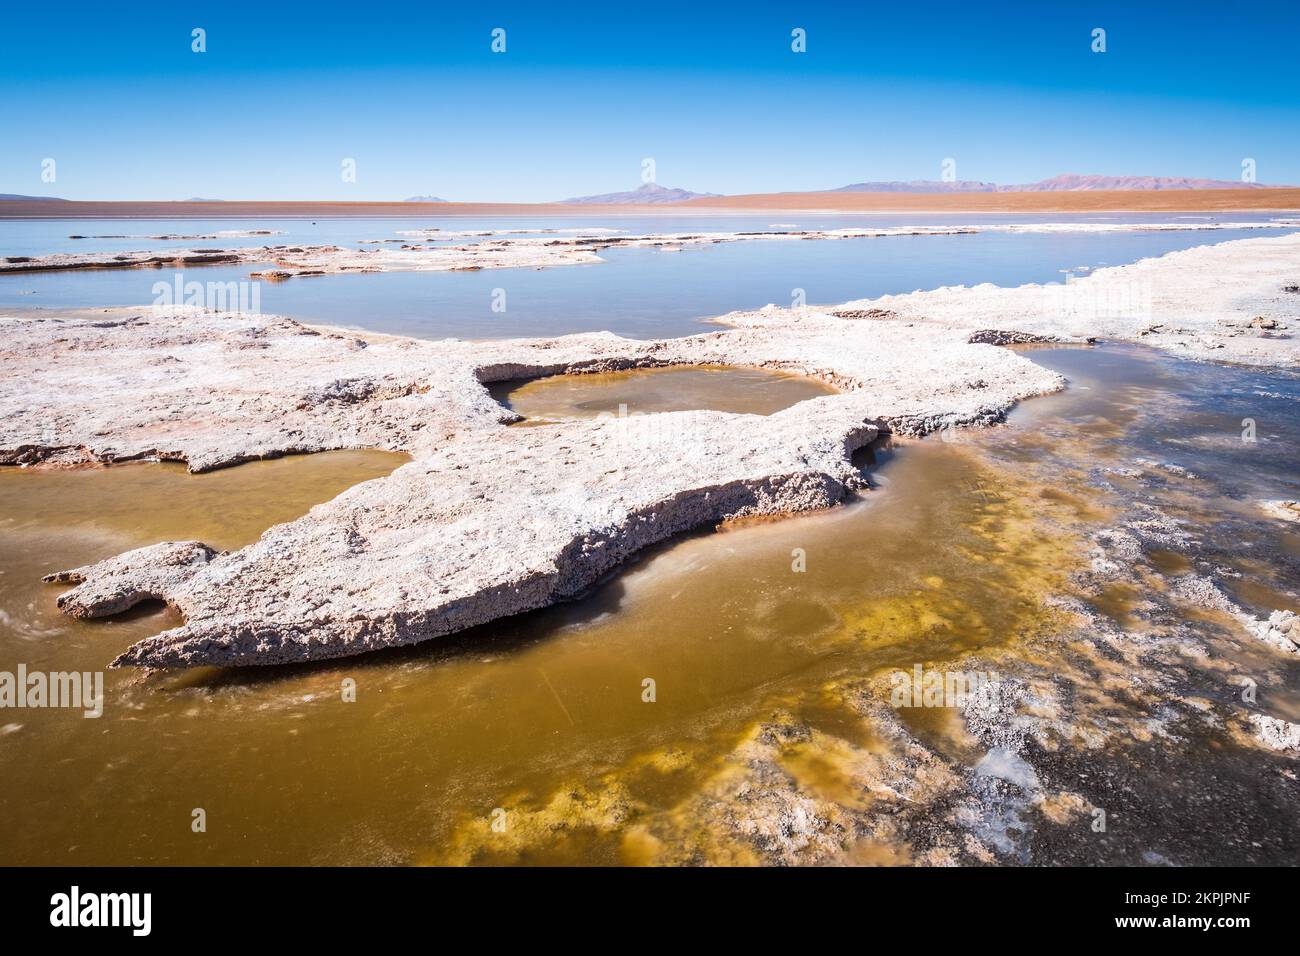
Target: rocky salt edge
487 520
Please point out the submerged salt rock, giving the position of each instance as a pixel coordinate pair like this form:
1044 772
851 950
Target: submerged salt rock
1282 630
1276 734
1203 593
992 713
1286 510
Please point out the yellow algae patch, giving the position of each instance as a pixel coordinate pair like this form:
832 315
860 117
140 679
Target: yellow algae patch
832 714
1169 562
828 769
569 828
1117 601
874 853
1063 806
669 760
1005 554
783 795
942 730
1085 509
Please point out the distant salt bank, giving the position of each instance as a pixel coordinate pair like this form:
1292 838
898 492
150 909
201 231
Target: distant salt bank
487 521
173 237
438 250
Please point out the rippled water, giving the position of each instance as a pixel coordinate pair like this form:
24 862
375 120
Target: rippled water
541 721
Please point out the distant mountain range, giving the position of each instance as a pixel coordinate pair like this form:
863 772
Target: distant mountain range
647 194
1075 182
652 194
919 186
1067 182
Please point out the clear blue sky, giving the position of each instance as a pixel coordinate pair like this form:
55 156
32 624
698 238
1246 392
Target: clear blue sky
413 93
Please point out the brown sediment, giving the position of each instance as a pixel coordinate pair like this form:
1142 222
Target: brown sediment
1169 562
1118 601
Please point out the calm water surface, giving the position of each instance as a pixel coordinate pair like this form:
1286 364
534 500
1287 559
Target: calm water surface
641 293
751 391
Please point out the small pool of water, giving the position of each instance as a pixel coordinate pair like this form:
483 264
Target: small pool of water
722 388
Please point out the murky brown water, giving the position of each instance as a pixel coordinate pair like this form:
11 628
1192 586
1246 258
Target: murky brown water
755 391
538 722
503 717
58 519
